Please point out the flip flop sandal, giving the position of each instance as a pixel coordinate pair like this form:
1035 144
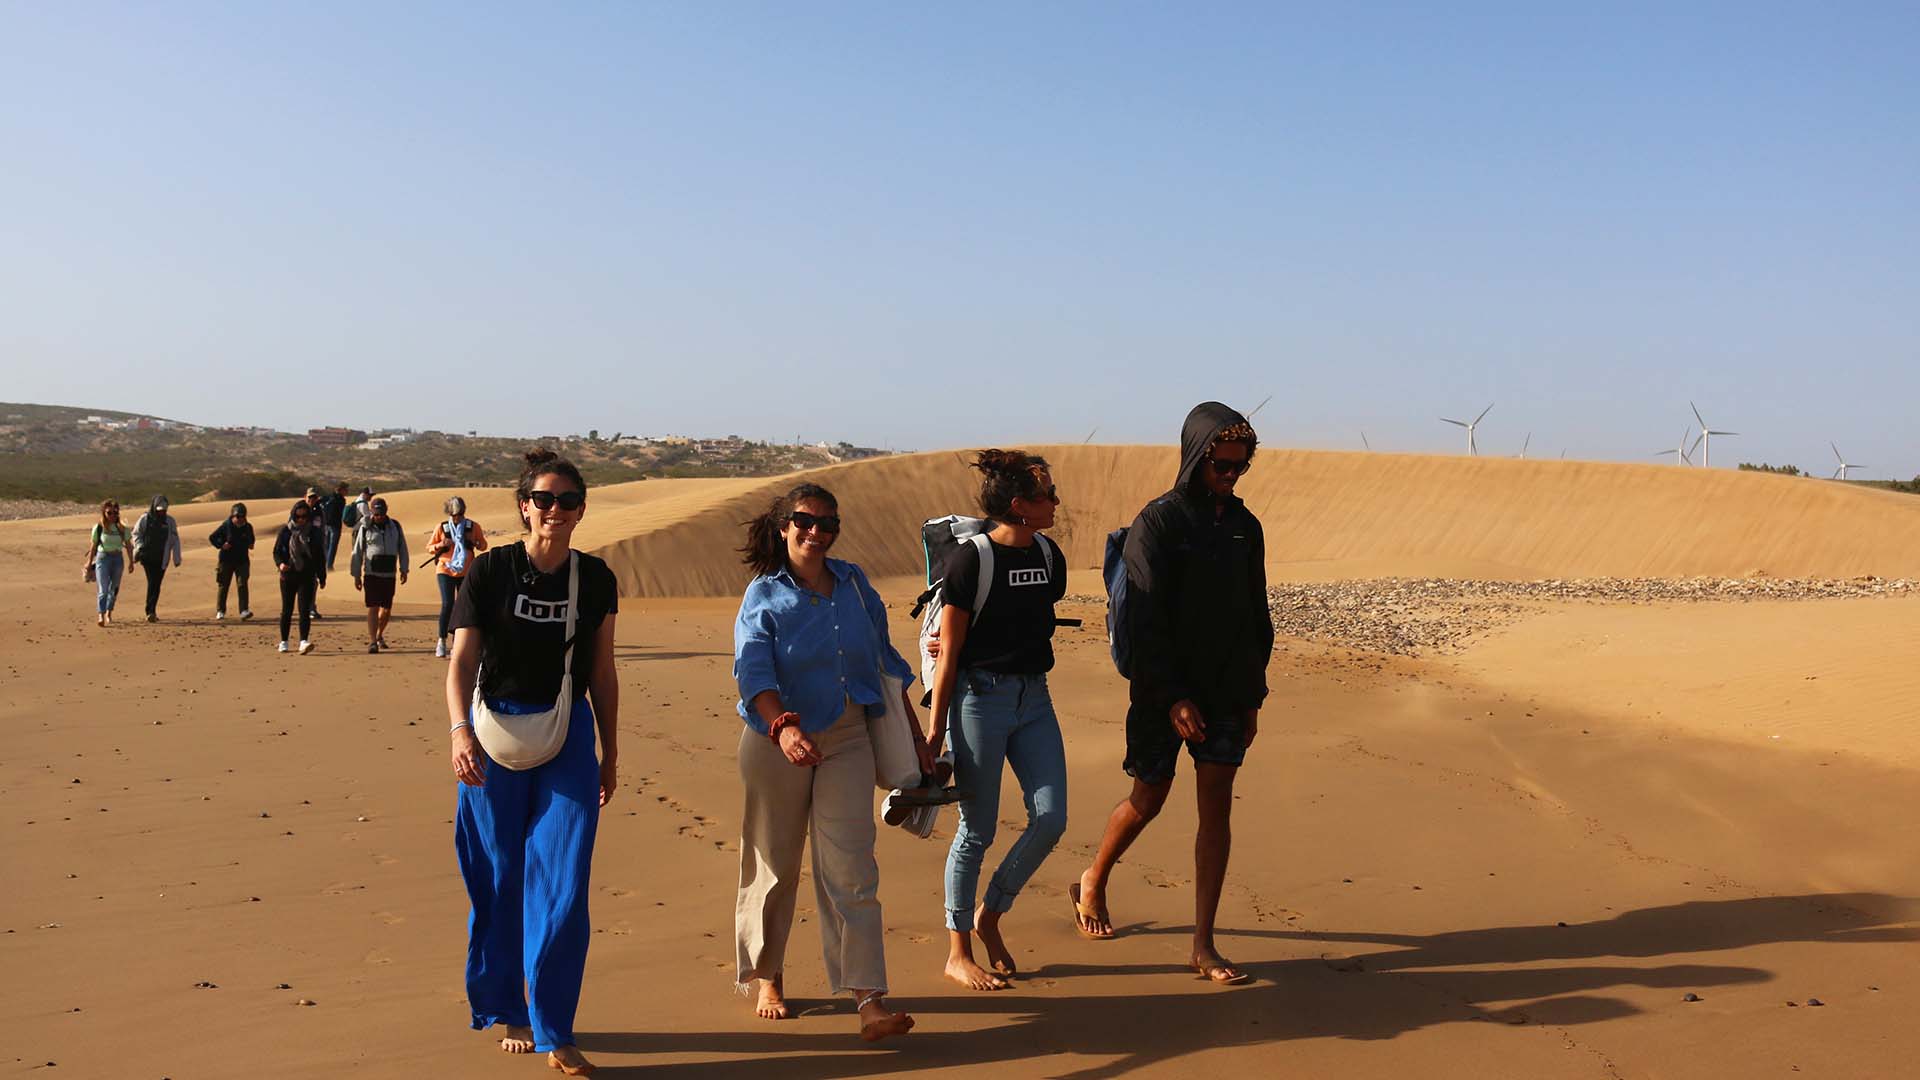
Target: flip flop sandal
1082 915
1208 972
901 801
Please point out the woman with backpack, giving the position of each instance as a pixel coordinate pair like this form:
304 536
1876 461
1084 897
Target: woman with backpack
155 538
300 553
533 665
809 651
990 693
107 549
454 543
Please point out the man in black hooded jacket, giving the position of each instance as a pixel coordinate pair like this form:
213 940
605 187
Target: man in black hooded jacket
1201 638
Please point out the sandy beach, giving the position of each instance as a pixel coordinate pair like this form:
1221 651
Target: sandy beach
1518 857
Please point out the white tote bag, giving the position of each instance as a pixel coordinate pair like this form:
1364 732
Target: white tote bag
895 765
530 740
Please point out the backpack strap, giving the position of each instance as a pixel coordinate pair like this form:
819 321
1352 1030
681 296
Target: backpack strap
984 585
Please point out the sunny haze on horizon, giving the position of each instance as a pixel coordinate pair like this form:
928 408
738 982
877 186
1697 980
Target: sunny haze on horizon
828 222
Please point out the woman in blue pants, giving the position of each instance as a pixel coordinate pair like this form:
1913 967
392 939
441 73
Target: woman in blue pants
525 838
990 686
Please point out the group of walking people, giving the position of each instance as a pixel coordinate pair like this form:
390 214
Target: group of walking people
305 549
815 668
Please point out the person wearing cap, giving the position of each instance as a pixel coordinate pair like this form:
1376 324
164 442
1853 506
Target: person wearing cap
379 556
234 540
333 509
155 538
454 543
318 517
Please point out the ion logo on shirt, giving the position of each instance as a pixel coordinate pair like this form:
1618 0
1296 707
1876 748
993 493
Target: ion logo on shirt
526 607
1017 578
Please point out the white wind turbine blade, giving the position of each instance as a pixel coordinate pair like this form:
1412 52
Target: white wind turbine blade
1365 443
1723 433
1524 445
1697 416
1483 413
1461 423
1257 408
1836 454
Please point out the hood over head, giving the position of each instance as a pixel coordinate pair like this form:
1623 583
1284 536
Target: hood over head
1205 425
157 504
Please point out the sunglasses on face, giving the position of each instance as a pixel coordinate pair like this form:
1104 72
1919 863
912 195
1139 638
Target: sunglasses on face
299 517
1229 468
802 521
566 500
1052 495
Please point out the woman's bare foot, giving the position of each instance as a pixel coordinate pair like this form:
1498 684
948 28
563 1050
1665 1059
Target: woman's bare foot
517 1040
962 969
986 926
1090 909
568 1060
877 1023
773 1003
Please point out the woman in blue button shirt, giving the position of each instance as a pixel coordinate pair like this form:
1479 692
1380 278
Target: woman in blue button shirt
808 650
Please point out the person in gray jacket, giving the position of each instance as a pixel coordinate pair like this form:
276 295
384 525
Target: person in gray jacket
155 539
379 557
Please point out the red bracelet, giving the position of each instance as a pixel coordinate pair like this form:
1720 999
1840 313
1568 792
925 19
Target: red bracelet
778 722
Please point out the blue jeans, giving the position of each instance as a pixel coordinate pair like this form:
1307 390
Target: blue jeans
333 543
525 841
106 571
999 720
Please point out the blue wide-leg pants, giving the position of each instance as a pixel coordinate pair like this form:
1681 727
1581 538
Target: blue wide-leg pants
525 841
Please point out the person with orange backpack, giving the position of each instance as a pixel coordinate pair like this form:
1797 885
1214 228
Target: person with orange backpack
453 545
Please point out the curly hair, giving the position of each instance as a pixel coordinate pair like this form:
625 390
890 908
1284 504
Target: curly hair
1006 475
766 550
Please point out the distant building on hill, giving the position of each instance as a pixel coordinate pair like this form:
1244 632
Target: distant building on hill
335 436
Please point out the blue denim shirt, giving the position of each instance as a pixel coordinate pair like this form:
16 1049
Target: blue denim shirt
817 651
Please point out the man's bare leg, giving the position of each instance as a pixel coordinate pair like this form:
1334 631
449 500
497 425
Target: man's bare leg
1212 842
1128 820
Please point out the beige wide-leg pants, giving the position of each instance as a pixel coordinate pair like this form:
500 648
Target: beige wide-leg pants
833 800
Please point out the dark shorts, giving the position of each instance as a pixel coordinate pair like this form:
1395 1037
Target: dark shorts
1153 747
379 590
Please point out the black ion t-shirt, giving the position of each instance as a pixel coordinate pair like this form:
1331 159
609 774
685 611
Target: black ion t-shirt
1013 633
523 624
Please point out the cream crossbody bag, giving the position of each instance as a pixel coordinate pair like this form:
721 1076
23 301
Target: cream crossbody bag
530 740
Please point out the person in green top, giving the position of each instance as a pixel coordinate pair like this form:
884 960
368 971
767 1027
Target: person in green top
107 558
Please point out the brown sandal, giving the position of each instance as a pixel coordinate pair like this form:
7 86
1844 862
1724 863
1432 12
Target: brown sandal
1082 915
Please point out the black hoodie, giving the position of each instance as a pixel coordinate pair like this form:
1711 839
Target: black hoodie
1200 627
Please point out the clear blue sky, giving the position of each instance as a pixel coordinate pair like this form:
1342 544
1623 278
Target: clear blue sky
919 225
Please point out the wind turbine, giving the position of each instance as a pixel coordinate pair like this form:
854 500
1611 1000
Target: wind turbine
1090 435
1524 445
1841 472
1365 443
1257 408
1706 436
1681 452
1473 448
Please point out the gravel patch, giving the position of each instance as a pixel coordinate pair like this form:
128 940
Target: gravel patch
1426 616
21 509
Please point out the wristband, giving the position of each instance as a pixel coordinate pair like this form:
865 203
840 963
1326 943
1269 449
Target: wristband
783 720
458 726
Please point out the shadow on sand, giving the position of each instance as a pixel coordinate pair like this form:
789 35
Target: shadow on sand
1309 997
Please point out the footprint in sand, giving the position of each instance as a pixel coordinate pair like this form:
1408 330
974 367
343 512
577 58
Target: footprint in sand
389 918
340 889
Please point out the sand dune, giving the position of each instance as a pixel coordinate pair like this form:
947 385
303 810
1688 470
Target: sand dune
1574 850
1331 514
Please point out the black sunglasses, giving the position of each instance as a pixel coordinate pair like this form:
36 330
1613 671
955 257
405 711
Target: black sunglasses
1052 495
803 521
1230 468
567 500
